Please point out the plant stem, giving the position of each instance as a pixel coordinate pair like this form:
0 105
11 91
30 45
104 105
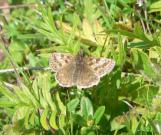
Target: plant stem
2 71
18 6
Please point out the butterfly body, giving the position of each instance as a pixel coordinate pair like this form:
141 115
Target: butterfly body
79 65
80 71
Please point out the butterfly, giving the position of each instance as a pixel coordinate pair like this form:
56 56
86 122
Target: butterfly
80 71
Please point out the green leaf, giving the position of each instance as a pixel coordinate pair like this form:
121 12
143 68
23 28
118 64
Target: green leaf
133 35
135 57
7 93
145 95
78 119
147 66
35 88
30 96
45 85
63 111
116 124
40 91
32 117
61 120
156 124
86 107
52 120
155 7
98 114
60 104
72 105
122 55
142 61
26 122
21 96
4 102
43 119
87 131
46 91
134 124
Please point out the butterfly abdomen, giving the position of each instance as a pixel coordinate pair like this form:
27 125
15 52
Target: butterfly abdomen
79 68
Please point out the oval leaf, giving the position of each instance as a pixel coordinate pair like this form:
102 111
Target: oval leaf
98 114
86 107
60 104
72 105
43 119
61 121
52 120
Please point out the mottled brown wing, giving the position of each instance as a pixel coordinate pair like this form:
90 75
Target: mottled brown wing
58 60
64 76
87 78
100 66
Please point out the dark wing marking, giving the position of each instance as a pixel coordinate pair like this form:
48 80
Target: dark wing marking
65 75
58 60
100 66
87 78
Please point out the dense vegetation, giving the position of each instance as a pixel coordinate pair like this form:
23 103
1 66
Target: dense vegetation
125 102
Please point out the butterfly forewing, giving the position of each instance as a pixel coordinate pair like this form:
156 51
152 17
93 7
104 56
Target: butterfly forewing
83 72
65 75
58 60
87 78
101 66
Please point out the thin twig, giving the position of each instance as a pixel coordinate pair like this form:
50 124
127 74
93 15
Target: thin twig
11 70
18 6
104 44
3 71
146 18
142 22
6 43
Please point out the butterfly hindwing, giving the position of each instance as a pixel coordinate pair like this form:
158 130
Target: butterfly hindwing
65 75
58 60
87 78
83 72
100 66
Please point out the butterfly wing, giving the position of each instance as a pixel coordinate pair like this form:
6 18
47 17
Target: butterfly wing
101 66
86 78
58 60
65 75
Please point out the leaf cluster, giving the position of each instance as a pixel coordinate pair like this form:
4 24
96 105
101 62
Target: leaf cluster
127 101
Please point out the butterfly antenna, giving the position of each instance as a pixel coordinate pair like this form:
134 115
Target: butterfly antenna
81 52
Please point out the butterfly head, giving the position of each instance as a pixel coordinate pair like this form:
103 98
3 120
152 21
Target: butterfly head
80 55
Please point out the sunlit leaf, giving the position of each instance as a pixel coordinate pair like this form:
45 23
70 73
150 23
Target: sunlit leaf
60 104
44 119
155 7
98 114
73 104
26 121
156 124
52 121
62 121
86 107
